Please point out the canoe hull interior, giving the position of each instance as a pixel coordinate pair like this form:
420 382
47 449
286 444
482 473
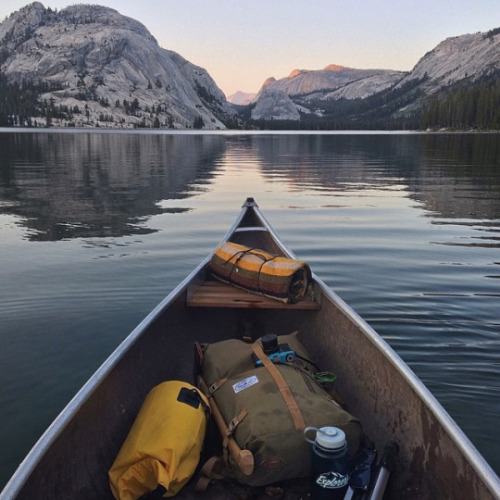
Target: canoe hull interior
73 458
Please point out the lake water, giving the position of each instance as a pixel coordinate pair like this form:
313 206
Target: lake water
97 227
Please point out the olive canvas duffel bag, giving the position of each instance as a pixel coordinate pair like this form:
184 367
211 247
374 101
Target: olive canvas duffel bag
262 403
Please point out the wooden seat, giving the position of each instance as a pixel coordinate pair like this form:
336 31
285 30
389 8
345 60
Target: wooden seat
217 294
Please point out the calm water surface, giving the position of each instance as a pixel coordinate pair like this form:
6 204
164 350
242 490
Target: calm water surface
96 228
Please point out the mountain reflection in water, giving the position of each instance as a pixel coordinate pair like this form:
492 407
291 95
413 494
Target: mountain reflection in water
91 184
99 185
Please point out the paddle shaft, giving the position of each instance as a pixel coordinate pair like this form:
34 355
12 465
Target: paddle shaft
387 465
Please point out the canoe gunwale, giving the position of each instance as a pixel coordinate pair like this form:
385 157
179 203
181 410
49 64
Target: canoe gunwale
480 465
26 467
28 464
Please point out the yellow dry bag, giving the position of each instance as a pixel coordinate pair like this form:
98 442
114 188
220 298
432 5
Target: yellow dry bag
163 447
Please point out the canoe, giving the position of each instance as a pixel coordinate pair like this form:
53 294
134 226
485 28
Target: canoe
435 458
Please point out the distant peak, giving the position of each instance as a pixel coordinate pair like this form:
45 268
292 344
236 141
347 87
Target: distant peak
297 72
35 5
334 67
268 81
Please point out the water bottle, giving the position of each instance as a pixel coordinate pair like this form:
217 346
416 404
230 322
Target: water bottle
329 463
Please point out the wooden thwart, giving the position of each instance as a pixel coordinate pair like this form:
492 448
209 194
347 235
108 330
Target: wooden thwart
217 294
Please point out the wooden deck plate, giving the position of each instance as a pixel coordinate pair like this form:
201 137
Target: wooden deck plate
217 294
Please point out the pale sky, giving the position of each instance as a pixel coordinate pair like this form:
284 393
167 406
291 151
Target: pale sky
241 43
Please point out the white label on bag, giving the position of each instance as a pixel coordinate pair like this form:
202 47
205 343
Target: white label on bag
245 384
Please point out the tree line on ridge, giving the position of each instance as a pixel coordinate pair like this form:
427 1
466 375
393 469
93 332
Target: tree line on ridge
473 105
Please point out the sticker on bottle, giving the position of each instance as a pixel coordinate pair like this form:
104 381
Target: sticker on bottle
245 384
332 480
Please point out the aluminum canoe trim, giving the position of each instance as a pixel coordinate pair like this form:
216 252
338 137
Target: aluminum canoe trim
463 443
27 466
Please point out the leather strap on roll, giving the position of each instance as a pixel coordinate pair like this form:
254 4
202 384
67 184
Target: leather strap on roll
285 391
